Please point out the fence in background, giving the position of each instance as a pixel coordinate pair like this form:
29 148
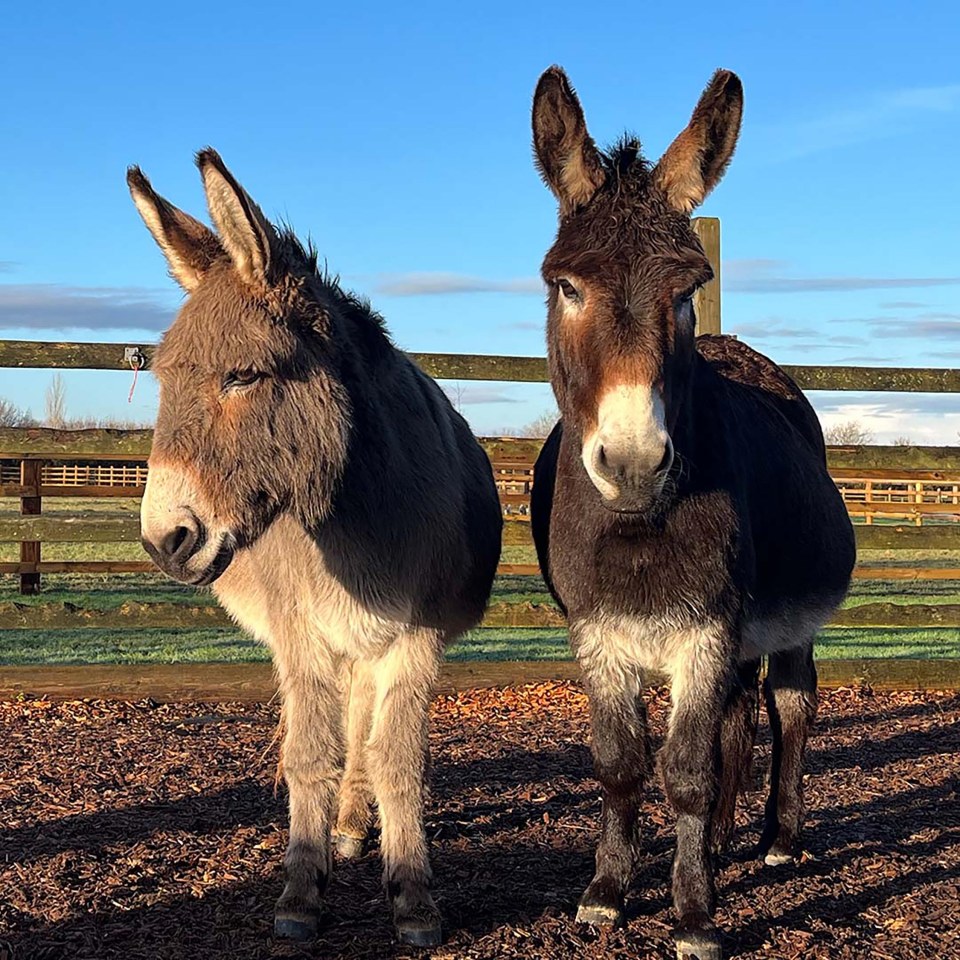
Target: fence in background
912 479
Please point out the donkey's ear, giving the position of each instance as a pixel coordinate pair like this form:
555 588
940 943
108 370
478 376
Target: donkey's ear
697 159
189 246
244 231
566 156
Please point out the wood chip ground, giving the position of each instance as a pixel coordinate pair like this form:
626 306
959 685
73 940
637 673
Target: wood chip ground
141 830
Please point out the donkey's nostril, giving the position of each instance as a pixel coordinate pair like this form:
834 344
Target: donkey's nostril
607 464
175 540
180 544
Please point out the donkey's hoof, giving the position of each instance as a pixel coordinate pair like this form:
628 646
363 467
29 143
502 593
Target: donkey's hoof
701 945
777 857
302 926
350 848
599 915
419 933
601 904
416 917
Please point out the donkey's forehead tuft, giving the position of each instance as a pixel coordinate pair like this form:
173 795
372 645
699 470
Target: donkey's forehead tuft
628 221
223 323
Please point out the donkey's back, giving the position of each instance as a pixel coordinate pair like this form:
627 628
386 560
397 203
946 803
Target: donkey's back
798 548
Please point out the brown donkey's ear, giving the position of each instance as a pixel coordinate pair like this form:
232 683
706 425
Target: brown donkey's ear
566 156
189 246
697 159
244 231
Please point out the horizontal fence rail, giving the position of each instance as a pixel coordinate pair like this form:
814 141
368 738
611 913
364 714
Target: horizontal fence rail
456 366
256 682
511 460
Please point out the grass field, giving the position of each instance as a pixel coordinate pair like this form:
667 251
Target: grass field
173 646
206 645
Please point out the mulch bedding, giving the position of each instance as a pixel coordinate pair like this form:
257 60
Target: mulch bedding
141 830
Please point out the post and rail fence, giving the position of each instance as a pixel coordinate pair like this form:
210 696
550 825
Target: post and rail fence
910 482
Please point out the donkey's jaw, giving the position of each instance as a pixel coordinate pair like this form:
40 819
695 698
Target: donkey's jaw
222 559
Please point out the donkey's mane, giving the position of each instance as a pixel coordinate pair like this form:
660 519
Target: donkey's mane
624 159
350 305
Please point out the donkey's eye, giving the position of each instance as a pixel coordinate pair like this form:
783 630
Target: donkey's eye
241 378
568 289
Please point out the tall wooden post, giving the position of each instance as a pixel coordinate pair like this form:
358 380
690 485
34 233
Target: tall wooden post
706 302
29 507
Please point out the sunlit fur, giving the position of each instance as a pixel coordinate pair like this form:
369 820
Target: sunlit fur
288 471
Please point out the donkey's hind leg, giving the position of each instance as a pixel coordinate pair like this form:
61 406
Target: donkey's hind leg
356 798
790 691
396 761
312 759
738 731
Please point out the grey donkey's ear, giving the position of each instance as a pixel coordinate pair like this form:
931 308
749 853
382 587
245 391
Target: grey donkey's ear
697 159
566 155
244 231
189 246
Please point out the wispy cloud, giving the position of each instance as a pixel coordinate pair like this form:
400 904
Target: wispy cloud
470 396
772 330
833 284
877 117
523 325
8 266
933 326
433 284
913 403
925 418
760 275
902 305
864 358
942 354
42 306
849 341
746 268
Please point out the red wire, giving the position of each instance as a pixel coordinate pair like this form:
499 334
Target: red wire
133 386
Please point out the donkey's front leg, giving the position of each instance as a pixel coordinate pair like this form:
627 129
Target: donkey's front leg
355 814
622 762
312 759
396 763
690 763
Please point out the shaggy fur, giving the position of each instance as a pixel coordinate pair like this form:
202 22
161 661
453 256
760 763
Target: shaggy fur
736 546
287 471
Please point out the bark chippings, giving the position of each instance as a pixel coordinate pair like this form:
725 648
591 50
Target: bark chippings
148 831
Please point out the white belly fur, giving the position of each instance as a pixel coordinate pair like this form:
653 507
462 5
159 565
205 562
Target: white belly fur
623 647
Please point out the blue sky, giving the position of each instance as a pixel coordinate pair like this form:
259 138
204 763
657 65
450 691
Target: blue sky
397 136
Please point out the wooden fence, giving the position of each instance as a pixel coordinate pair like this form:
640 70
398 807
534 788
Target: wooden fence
33 527
912 478
917 496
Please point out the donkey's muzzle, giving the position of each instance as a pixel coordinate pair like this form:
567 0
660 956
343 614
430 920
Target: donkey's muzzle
630 480
173 551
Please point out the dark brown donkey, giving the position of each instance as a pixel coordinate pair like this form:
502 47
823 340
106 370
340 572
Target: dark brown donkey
683 514
288 471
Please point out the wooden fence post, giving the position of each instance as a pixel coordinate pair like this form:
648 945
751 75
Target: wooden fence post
706 301
30 506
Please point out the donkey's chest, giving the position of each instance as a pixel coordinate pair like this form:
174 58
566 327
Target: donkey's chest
284 593
689 568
